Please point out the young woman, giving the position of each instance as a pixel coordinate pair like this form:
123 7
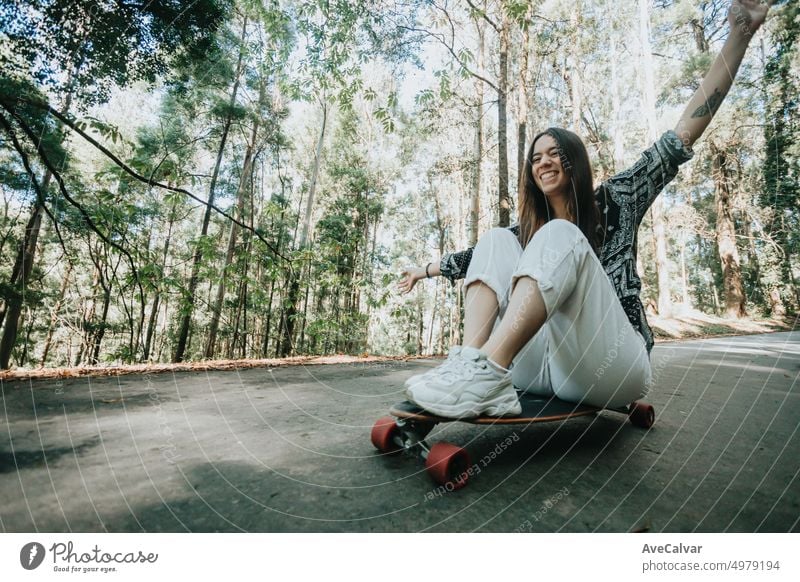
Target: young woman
557 295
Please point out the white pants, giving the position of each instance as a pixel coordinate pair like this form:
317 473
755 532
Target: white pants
587 350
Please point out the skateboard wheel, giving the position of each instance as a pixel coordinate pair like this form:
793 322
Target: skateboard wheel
383 433
642 415
448 465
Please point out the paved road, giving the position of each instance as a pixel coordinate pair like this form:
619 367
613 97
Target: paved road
288 449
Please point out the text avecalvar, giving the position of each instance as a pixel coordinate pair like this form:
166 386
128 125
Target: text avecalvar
671 549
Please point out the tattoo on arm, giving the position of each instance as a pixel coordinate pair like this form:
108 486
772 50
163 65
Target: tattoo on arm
710 106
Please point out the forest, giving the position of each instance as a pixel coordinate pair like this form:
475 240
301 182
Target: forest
231 179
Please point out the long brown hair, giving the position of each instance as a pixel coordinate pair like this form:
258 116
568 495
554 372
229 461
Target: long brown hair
534 209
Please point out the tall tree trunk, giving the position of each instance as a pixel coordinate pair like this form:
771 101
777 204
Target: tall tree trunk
281 322
151 325
616 120
522 105
312 187
153 320
504 202
699 33
687 302
54 316
188 298
22 268
244 180
101 332
441 226
733 286
279 246
286 342
576 88
106 282
475 195
267 321
19 262
162 342
241 302
657 209
370 276
88 317
31 317
420 328
662 263
715 296
429 344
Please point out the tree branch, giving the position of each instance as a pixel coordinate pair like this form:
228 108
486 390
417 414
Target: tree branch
483 15
65 193
453 53
32 175
149 181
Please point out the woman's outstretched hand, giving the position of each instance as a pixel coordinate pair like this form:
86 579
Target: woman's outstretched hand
410 278
747 16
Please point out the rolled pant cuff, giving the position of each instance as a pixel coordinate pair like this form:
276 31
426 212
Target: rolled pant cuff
499 289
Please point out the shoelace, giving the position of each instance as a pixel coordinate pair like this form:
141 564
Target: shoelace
465 372
450 362
450 375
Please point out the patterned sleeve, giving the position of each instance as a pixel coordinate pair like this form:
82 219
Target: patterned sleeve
657 166
454 265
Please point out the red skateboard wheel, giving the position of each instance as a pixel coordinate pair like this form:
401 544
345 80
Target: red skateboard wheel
383 433
448 465
642 415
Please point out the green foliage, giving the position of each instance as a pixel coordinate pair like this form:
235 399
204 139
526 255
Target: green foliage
86 46
782 132
17 98
781 169
518 11
687 79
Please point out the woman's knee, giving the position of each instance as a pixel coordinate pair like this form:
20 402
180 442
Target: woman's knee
553 241
495 256
499 236
557 229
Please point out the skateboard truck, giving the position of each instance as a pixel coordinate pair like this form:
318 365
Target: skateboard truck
390 435
446 463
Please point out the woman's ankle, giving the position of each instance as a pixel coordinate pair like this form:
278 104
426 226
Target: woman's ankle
497 355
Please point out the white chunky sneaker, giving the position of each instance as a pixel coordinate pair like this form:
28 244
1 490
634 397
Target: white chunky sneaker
475 388
452 360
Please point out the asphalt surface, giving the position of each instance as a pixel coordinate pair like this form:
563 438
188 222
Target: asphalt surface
288 449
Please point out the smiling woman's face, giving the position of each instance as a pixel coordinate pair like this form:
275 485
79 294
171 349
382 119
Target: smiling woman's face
548 173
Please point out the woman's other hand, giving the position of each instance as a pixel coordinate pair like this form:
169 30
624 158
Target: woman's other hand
747 16
410 278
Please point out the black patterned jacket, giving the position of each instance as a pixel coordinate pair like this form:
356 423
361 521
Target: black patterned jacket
623 200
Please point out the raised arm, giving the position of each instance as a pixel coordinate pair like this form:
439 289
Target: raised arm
745 17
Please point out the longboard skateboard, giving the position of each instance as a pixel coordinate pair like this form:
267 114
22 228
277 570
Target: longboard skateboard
408 426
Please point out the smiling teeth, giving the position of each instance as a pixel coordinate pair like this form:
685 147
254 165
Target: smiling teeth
547 174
